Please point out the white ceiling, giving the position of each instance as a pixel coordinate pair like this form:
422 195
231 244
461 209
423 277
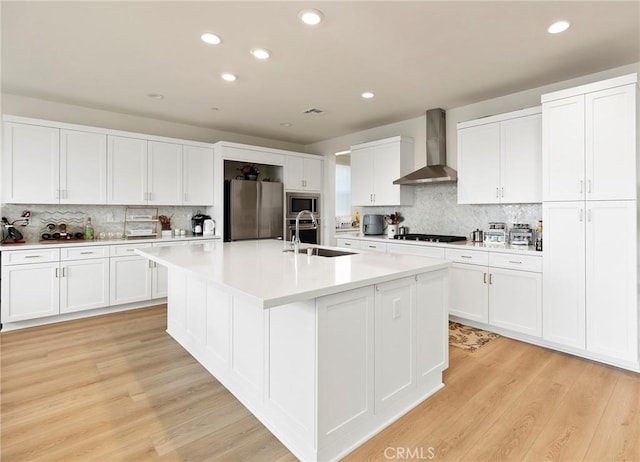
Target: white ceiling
413 55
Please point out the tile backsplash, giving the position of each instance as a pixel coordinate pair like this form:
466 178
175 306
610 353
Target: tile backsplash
436 211
104 218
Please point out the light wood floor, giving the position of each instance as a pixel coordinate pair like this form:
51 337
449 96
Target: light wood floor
118 388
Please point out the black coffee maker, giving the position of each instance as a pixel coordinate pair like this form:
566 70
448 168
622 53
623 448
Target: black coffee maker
197 223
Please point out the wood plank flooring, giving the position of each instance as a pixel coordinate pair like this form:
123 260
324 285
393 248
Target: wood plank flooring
118 388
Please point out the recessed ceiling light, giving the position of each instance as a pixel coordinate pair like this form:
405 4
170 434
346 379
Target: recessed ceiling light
286 124
310 16
261 53
228 77
211 39
155 95
558 27
367 95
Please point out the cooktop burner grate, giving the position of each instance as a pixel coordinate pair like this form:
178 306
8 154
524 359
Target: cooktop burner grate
429 237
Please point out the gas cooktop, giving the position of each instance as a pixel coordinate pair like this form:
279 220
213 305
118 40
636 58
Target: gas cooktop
429 237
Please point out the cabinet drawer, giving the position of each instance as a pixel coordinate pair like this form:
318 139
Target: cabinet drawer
375 246
416 249
352 243
17 257
127 249
83 253
518 262
474 257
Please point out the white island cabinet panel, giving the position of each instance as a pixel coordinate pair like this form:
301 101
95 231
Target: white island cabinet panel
298 346
395 343
345 367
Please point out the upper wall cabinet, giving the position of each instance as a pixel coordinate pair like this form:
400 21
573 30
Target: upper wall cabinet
303 173
374 168
500 159
49 165
153 172
590 142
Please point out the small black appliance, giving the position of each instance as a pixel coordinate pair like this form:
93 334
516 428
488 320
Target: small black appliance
197 223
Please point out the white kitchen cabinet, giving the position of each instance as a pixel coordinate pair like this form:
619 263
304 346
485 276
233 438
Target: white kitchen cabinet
500 159
589 147
348 243
197 175
159 273
395 353
30 291
303 173
127 170
469 292
84 284
590 299
30 164
164 173
61 282
130 274
374 168
415 249
83 168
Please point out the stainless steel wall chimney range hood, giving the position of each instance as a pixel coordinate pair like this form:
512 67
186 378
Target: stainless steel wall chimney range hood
436 169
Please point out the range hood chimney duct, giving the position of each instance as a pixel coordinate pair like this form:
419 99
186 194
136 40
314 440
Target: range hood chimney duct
436 169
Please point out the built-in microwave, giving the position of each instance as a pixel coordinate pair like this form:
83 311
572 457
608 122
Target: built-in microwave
297 202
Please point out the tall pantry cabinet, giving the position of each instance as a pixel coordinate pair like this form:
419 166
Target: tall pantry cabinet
590 228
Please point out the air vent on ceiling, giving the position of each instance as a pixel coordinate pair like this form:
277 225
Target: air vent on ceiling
313 110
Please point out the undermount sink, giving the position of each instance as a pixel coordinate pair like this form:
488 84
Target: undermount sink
320 252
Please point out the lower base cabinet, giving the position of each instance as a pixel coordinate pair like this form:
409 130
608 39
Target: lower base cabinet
84 285
30 291
469 292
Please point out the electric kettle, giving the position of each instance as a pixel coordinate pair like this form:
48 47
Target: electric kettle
208 227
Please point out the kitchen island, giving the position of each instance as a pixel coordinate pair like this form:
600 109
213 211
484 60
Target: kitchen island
324 351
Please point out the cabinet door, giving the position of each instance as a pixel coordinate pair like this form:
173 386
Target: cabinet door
362 177
515 300
563 261
479 164
126 171
31 164
394 340
313 174
84 285
197 175
294 172
563 149
83 167
164 174
521 160
611 282
386 169
130 280
432 326
30 291
610 147
468 292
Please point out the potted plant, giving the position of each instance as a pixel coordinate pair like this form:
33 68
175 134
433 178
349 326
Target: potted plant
250 172
165 225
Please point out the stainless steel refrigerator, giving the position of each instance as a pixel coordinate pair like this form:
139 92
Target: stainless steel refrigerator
252 210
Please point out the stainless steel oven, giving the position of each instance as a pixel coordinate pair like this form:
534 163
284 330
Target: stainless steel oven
308 234
297 202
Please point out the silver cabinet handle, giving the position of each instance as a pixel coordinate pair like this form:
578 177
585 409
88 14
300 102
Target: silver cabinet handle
32 256
64 271
86 253
589 186
497 193
502 192
485 277
581 186
515 262
589 215
57 272
581 215
490 278
466 256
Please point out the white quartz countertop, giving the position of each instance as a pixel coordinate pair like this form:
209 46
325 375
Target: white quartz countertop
261 271
500 248
82 243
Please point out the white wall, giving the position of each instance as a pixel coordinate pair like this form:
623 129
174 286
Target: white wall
60 112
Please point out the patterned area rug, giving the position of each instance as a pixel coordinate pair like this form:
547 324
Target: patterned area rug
468 338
